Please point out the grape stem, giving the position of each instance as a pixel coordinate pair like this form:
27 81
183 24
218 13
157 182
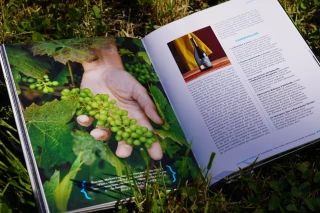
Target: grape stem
71 74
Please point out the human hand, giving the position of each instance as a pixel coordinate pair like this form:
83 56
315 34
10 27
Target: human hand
106 76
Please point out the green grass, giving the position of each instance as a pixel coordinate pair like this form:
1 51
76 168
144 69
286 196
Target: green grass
289 185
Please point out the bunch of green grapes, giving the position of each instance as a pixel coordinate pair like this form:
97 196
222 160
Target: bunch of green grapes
144 73
43 83
109 115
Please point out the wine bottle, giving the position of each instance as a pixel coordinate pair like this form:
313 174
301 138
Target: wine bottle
200 56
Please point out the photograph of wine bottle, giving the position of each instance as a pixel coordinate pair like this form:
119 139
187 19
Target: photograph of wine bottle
198 53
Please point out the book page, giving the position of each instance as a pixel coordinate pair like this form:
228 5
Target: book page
84 107
256 98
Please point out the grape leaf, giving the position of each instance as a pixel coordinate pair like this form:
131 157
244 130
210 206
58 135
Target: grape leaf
49 188
76 50
49 132
16 78
62 77
91 148
185 166
137 42
25 63
169 146
171 127
145 57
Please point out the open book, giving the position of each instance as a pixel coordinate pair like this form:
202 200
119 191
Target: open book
237 80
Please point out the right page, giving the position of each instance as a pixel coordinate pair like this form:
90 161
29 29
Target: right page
242 81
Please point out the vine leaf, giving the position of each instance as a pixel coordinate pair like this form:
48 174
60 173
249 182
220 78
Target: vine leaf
91 148
171 127
16 78
170 147
186 166
145 57
62 77
49 132
25 63
76 50
50 187
137 42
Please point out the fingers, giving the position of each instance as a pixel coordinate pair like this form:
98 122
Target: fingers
141 95
123 150
155 151
101 133
85 120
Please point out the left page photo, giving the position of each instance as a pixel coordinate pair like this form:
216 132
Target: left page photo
96 119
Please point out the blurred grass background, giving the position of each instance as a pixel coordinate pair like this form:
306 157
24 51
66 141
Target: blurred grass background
289 185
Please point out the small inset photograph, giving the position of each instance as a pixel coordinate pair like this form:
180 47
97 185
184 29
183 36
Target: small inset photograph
198 53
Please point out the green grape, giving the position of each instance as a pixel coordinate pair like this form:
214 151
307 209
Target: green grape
86 90
82 94
97 98
118 138
128 130
148 146
103 117
31 80
103 112
124 117
126 122
24 79
118 122
133 127
97 116
133 121
119 132
149 141
43 84
149 134
114 129
139 131
125 135
100 123
94 104
65 91
74 91
92 112
87 99
129 141
109 115
45 76
136 142
113 123
79 112
143 139
134 135
55 83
